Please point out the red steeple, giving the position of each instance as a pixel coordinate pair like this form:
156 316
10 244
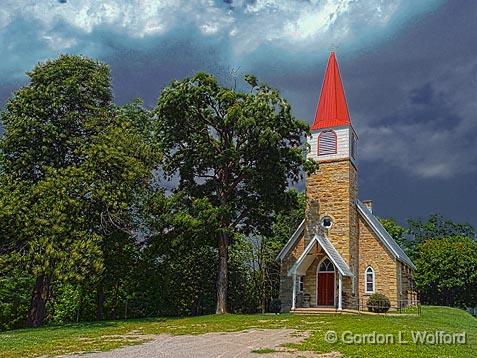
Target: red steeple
332 109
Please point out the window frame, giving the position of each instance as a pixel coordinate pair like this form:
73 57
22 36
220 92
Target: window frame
301 284
335 137
373 282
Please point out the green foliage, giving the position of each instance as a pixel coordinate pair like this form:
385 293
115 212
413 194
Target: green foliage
182 259
15 294
244 277
436 226
74 168
378 303
419 230
444 253
225 145
45 121
239 150
255 272
67 304
263 350
447 271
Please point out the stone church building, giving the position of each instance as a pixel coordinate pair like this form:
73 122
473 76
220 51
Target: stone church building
340 254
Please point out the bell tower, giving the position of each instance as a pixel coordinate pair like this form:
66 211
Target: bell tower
332 190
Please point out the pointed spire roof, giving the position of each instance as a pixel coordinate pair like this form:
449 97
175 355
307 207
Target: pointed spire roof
332 109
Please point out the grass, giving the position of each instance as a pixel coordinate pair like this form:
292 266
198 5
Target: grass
264 350
100 336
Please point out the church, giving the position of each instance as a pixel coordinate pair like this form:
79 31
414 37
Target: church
340 254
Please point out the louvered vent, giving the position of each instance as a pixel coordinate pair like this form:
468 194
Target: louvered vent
327 143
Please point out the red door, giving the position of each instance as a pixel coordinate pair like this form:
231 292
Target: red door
326 288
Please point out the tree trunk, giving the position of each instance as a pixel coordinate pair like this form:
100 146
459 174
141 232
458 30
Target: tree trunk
37 313
222 279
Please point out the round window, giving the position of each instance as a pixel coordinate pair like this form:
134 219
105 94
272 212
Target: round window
326 222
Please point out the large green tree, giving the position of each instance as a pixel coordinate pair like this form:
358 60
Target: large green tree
447 271
445 255
239 150
74 167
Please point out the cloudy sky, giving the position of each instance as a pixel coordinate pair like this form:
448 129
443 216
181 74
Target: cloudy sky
409 70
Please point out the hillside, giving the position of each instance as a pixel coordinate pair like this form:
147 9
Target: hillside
112 334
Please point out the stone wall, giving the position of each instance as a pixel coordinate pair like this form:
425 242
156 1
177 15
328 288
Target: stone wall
334 187
310 280
373 253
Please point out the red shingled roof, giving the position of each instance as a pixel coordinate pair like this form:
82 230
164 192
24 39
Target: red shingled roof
332 109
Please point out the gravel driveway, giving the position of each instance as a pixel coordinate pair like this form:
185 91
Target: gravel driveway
237 344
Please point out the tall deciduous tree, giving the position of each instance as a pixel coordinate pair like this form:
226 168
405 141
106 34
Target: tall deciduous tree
74 166
239 150
447 271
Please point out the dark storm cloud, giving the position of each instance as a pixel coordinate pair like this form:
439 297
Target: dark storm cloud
139 72
413 101
409 69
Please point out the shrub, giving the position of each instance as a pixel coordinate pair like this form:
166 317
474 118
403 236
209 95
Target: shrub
378 303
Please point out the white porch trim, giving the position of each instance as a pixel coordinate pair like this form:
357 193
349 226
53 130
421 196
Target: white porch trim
329 250
294 292
340 292
291 242
305 260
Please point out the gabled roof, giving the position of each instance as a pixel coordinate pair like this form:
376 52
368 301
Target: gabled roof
306 258
375 225
332 110
383 235
292 241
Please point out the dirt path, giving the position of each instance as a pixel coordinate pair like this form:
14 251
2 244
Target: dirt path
237 344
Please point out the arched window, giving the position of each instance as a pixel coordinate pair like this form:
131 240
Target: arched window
326 266
369 280
327 143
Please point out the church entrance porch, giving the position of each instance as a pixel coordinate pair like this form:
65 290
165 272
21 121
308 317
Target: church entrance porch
318 276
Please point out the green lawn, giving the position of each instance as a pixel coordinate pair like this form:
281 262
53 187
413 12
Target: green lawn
87 337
